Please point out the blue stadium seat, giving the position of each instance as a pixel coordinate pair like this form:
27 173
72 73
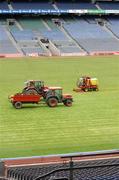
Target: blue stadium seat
109 5
31 5
80 5
4 5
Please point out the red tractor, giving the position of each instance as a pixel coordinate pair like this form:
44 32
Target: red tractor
86 83
35 87
36 92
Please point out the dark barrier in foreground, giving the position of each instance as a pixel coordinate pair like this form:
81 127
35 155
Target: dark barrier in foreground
10 165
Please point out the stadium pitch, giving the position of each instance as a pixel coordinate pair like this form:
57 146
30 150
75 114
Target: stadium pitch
92 123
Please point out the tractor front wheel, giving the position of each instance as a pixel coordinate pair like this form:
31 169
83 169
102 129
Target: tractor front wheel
86 89
52 102
18 105
68 102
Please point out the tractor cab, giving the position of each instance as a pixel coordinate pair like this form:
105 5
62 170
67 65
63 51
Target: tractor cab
55 91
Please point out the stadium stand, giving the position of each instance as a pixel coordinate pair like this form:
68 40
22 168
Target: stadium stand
30 50
113 25
54 35
46 28
4 5
60 39
92 37
76 36
76 5
6 45
34 24
109 5
27 39
23 35
32 5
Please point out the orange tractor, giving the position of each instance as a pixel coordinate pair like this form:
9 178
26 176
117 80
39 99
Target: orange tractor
86 83
36 92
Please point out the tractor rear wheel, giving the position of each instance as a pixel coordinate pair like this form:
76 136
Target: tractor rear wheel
18 105
68 102
52 102
96 89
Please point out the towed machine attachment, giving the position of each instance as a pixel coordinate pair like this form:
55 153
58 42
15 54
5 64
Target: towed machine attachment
86 83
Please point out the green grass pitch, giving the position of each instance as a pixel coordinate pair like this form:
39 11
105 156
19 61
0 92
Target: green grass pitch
91 124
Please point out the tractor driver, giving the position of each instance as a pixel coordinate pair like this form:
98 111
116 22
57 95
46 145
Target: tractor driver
31 84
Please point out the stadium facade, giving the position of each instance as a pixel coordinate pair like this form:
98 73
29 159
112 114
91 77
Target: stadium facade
58 28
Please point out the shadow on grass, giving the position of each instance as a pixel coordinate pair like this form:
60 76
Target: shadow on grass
42 106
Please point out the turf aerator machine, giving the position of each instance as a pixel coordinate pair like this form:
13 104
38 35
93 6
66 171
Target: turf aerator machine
35 92
86 83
